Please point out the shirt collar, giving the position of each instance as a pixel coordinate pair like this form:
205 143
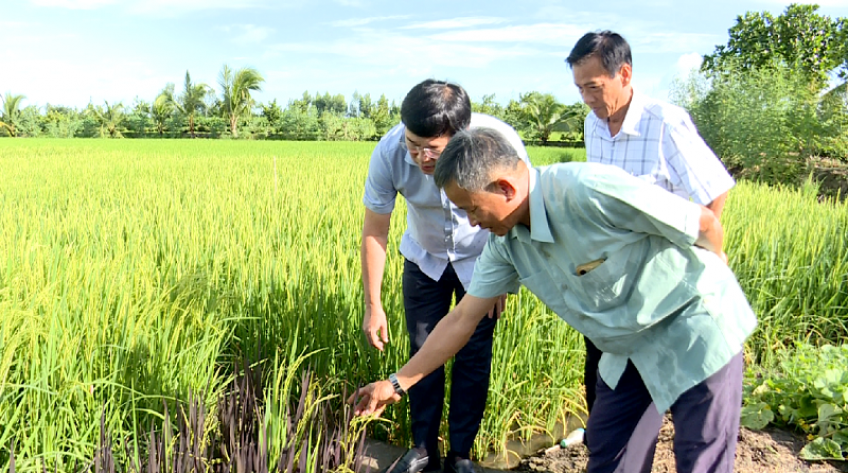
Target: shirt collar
634 114
540 229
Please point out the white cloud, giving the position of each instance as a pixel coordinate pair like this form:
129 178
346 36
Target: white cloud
99 80
687 62
671 42
454 23
162 7
543 33
388 49
177 7
248 34
821 3
73 4
353 22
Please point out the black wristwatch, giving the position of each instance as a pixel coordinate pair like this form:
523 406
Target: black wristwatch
395 384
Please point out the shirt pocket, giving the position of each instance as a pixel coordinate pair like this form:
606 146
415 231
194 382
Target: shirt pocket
608 284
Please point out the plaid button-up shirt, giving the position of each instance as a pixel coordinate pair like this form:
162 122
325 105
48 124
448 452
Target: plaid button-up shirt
659 143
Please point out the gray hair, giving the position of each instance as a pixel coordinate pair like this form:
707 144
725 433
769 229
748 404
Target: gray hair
471 156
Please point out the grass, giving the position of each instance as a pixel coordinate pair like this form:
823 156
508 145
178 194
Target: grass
134 273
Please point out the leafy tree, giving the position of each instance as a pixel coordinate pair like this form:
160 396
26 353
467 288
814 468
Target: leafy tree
334 104
236 87
303 104
382 116
140 107
799 37
11 113
489 107
61 122
366 106
273 113
514 114
190 101
542 113
300 125
109 117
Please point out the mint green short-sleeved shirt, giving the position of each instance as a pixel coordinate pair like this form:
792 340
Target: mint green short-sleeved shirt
647 294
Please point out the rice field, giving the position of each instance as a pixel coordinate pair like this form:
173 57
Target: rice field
134 274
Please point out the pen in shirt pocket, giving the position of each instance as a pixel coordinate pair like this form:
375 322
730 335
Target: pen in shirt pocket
585 268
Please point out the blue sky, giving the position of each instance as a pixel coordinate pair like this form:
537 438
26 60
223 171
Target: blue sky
70 52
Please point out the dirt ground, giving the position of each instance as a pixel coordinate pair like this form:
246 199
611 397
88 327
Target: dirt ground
767 451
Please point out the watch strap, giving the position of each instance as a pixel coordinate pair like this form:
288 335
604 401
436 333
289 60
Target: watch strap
395 384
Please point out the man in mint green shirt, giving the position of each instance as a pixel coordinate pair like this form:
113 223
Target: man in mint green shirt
638 271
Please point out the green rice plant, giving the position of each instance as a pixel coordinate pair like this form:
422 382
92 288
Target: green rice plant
135 273
789 252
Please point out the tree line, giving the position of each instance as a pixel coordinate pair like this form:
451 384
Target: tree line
199 110
773 101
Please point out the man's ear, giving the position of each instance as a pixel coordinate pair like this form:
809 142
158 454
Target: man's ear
626 73
505 188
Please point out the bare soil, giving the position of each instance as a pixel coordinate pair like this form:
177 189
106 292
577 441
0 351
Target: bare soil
767 451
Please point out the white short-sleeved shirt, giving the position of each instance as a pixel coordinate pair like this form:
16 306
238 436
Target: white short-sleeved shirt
659 143
437 231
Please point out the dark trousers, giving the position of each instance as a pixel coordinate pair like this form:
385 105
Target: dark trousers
426 302
622 430
590 371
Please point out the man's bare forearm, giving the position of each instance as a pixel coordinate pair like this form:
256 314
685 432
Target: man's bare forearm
445 341
375 237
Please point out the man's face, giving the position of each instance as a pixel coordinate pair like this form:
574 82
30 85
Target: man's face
605 95
489 210
425 151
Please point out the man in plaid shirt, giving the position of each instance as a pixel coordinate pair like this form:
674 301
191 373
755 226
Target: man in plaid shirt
653 140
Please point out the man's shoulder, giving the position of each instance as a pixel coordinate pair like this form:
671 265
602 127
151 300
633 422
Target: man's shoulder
394 137
577 175
392 143
666 112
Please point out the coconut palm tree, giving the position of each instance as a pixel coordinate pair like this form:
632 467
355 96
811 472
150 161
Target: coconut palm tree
10 112
162 108
110 117
190 101
236 87
542 113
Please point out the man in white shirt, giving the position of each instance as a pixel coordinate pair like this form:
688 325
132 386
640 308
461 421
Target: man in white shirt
653 140
440 248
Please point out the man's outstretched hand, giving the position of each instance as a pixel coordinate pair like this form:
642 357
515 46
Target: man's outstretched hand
374 398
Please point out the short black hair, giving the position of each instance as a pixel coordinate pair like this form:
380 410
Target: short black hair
434 108
610 47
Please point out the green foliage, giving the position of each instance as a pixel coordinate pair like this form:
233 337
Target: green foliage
190 102
162 108
790 255
10 114
111 118
799 38
489 107
541 114
29 122
807 390
764 122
